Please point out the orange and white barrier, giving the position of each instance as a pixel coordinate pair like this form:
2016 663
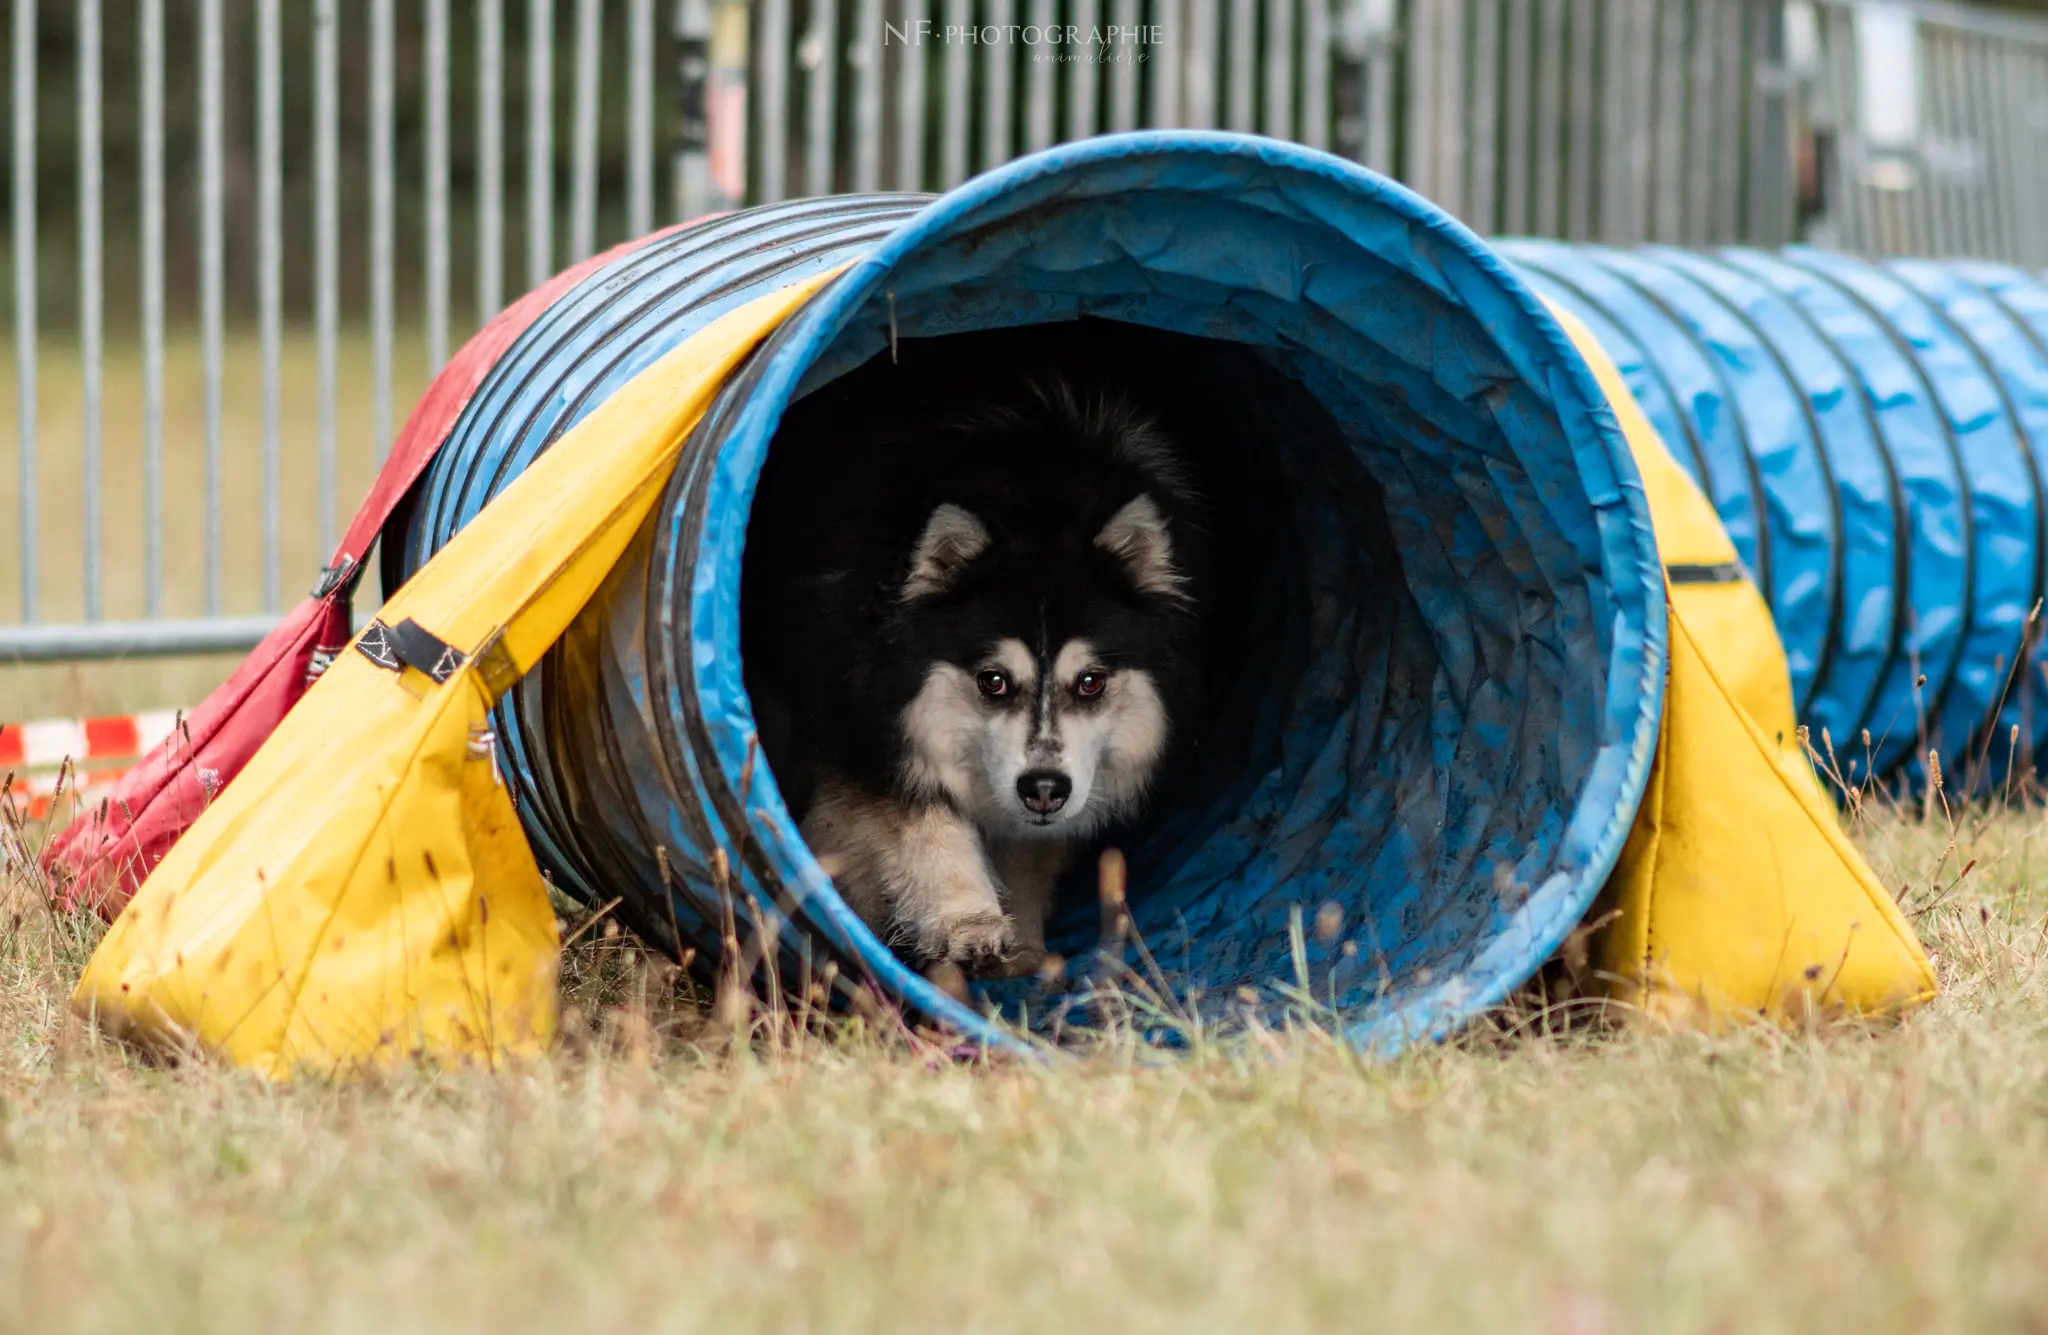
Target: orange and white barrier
101 750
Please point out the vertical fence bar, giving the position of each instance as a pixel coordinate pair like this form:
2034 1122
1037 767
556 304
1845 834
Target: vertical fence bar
1666 166
1381 71
1419 54
1579 210
1548 122
212 282
1482 143
2034 63
1123 68
640 118
1733 75
910 117
1243 85
996 64
270 262
91 303
953 134
1315 73
2024 78
2005 178
1939 220
153 307
1770 203
1642 115
382 95
866 54
1518 151
437 184
1166 57
24 191
540 141
1846 212
583 186
1615 132
771 71
490 158
327 245
1702 126
1938 95
1278 119
821 96
1983 79
1082 79
1452 107
1041 112
1198 75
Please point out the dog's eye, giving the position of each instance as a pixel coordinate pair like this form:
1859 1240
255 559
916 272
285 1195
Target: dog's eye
1090 684
995 685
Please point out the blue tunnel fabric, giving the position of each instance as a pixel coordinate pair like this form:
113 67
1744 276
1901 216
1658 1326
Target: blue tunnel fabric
1452 735
1892 417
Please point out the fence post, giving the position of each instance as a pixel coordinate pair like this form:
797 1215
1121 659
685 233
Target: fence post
711 106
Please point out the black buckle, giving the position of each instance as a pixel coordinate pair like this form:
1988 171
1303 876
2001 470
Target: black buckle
335 576
410 645
1728 572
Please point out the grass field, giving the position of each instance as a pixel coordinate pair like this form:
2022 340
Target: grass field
647 1178
650 1177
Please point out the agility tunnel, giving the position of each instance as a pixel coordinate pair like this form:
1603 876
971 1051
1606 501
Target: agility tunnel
1451 717
1871 436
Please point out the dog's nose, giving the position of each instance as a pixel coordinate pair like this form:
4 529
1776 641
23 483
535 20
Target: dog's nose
1044 790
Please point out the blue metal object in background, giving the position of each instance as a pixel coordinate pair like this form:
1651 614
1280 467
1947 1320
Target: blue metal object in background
1871 435
1451 734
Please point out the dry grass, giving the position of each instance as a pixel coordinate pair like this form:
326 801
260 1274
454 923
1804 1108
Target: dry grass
649 1178
644 1178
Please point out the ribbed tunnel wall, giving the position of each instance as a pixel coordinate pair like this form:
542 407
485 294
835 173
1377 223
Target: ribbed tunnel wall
1452 589
1872 436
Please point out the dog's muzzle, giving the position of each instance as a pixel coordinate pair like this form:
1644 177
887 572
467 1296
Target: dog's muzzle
1044 791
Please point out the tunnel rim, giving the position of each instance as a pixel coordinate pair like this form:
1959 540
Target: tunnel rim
1595 823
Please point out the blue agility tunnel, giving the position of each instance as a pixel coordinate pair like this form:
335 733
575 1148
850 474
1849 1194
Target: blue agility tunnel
1871 435
1450 594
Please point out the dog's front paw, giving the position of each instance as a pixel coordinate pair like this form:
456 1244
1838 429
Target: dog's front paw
1016 962
971 940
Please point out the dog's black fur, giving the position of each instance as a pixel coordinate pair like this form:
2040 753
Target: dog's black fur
833 653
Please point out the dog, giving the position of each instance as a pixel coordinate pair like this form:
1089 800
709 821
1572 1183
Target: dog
972 632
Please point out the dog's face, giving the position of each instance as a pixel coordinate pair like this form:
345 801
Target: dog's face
1042 712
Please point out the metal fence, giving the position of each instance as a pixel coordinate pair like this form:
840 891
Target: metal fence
1616 119
462 150
1933 124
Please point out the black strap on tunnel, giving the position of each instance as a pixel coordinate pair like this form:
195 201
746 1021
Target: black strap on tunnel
1987 732
1823 666
410 645
1727 572
1939 695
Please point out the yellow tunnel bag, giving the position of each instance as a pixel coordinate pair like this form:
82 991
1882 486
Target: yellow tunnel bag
1737 893
363 893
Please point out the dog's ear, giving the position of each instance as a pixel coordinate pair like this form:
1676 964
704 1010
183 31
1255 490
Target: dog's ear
1136 536
952 538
